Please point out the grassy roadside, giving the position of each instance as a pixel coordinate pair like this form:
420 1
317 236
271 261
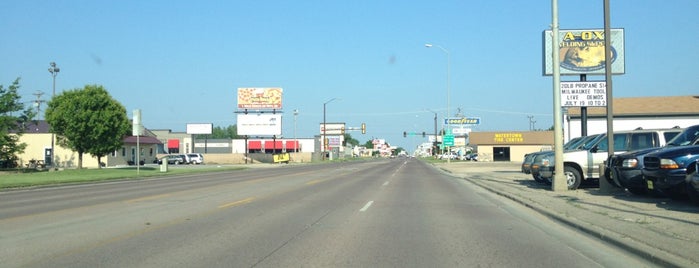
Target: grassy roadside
30 179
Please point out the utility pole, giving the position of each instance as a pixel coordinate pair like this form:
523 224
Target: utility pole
37 103
532 122
54 70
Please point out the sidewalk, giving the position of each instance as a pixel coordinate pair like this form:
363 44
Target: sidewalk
662 230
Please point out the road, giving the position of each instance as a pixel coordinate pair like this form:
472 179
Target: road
381 213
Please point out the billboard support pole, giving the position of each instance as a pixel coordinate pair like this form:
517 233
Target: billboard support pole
583 112
559 181
608 78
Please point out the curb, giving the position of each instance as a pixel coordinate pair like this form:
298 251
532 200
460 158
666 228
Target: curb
644 251
653 255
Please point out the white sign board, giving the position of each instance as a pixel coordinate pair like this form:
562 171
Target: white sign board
260 124
200 128
584 94
460 131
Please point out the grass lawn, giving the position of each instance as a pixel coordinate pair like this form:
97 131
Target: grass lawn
17 179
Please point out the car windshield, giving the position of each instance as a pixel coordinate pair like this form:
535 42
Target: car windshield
591 143
579 144
572 143
686 137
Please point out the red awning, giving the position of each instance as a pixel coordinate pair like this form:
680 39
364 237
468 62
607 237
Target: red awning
291 145
273 145
254 145
173 144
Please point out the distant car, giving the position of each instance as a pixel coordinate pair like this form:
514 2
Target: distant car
173 159
472 156
196 158
185 159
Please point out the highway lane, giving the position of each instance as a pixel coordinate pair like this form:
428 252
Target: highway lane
399 212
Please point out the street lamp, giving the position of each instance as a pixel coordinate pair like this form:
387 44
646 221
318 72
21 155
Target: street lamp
322 142
54 71
448 86
296 142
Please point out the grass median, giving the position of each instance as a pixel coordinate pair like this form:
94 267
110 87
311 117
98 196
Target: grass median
20 179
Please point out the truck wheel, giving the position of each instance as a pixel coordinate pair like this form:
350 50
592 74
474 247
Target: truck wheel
691 191
573 177
538 178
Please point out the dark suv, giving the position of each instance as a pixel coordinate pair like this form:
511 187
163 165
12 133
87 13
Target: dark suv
626 170
666 170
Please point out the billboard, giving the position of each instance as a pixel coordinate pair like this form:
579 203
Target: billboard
200 128
582 52
259 98
259 124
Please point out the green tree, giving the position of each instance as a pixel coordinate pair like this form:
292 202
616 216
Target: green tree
9 122
349 141
88 120
369 144
230 132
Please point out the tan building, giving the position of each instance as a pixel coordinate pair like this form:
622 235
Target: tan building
510 145
38 140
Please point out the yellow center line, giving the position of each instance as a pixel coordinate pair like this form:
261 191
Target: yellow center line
313 182
236 203
147 198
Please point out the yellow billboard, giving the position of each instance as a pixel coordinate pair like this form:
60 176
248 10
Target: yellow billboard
259 98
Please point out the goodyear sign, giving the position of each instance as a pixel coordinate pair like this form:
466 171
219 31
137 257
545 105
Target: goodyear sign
463 121
582 52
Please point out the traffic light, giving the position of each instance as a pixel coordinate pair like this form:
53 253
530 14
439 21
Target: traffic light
405 134
363 128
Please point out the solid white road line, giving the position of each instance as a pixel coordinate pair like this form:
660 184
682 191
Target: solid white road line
366 206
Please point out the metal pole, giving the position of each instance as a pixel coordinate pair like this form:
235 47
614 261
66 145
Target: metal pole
54 71
322 140
608 78
323 144
559 181
434 148
296 142
448 91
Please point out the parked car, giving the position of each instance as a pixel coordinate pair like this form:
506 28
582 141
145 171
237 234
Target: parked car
172 159
471 157
185 159
196 158
666 170
626 170
692 182
582 165
537 160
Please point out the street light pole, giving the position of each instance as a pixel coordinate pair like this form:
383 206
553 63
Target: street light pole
296 142
322 142
54 71
448 88
434 147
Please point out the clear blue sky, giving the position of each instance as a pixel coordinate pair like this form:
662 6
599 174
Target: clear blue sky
182 61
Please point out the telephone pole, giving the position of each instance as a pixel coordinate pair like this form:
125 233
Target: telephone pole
37 103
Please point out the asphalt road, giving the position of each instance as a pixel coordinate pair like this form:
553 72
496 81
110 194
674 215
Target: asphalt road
384 213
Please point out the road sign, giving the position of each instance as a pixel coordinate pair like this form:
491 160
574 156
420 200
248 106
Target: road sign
448 140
